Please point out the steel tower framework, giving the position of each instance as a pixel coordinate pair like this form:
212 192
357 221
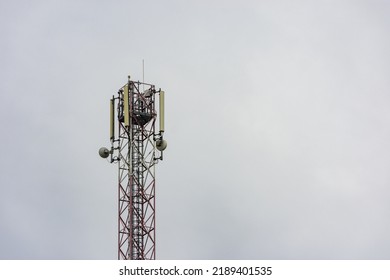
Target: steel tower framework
134 148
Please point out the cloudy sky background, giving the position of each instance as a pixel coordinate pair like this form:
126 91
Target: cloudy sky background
277 121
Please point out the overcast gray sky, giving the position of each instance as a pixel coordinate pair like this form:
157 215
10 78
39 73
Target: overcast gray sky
277 121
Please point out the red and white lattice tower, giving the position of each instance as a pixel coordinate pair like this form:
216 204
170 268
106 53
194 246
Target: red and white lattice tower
136 147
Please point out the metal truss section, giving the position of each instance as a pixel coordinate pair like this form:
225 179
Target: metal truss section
136 174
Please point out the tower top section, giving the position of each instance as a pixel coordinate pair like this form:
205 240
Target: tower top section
137 104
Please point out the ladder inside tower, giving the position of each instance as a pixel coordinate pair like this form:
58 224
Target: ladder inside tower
138 179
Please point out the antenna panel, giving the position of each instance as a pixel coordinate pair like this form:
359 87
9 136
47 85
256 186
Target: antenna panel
126 104
112 126
161 103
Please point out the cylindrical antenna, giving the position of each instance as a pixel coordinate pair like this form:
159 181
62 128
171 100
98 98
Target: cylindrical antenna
112 126
126 104
161 103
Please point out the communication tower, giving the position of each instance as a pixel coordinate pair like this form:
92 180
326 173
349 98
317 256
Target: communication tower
136 147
